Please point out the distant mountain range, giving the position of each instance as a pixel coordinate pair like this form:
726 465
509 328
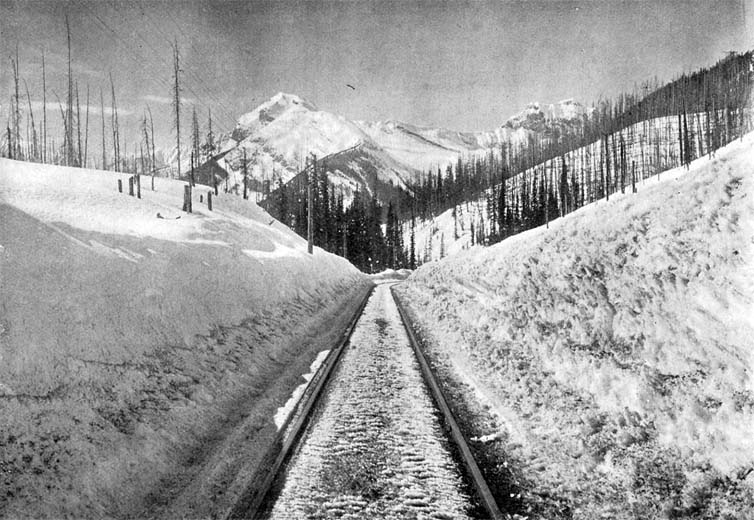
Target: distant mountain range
279 133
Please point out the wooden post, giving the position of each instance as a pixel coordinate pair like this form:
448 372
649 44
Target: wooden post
201 198
131 186
138 186
120 186
187 198
209 200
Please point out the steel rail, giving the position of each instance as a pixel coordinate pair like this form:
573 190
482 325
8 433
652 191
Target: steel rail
252 500
480 484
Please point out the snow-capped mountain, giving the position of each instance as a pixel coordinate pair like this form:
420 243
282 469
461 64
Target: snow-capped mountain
277 136
545 119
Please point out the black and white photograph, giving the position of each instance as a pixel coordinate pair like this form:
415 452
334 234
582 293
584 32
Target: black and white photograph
387 259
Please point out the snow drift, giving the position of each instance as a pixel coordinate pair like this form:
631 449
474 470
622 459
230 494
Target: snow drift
614 350
131 346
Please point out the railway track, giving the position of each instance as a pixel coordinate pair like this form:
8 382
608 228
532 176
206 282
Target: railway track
372 436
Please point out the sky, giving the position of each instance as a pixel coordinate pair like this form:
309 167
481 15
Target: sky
459 65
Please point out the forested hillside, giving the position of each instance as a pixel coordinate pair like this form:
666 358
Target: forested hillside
620 145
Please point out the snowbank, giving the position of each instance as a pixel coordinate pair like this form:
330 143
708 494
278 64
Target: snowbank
132 345
614 350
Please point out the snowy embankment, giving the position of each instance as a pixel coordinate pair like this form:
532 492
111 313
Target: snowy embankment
135 349
614 349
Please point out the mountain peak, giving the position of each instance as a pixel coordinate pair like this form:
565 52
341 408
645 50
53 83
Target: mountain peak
284 99
537 116
277 106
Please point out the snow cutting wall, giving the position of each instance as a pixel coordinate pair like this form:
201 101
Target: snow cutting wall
129 328
614 348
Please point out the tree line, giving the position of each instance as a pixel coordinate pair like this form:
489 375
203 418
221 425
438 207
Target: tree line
29 141
362 230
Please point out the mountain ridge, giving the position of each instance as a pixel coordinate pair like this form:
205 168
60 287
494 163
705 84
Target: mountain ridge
278 134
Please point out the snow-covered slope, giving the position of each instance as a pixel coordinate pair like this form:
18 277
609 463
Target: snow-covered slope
613 349
134 337
425 148
451 231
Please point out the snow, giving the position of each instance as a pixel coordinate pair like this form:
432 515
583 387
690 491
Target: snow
282 413
425 149
614 348
535 115
390 275
280 133
132 347
279 252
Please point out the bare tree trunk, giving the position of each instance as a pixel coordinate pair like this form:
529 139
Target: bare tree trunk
10 143
191 177
64 116
104 145
16 110
245 173
177 104
114 123
86 129
44 112
69 104
78 125
154 161
34 146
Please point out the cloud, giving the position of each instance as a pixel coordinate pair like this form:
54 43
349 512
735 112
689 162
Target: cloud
93 109
164 100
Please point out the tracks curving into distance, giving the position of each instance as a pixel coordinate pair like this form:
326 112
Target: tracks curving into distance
372 437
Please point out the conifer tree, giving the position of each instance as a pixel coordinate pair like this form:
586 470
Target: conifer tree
564 195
